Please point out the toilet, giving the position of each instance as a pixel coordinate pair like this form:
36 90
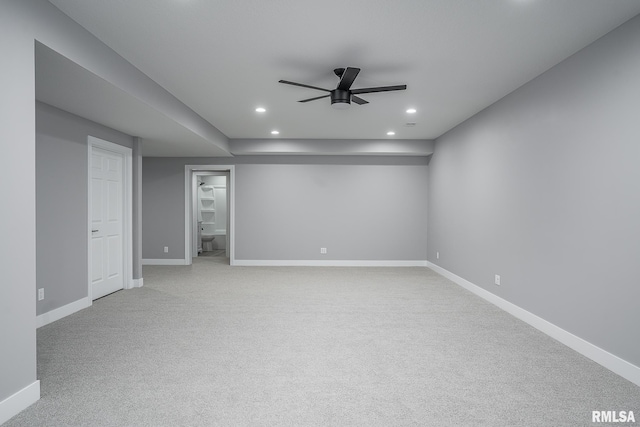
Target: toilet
207 242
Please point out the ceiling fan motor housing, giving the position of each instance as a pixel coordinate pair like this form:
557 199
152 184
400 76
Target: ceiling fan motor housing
340 99
342 95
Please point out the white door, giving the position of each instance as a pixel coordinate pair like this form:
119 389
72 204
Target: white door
106 248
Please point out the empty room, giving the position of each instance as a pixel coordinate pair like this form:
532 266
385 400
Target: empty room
298 213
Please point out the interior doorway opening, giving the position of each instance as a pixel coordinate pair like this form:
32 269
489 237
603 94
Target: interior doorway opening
212 219
209 212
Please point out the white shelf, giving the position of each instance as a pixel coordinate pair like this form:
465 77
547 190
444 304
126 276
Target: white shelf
216 233
209 196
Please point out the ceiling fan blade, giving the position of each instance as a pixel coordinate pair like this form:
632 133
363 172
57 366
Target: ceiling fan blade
313 99
348 76
379 89
302 85
358 100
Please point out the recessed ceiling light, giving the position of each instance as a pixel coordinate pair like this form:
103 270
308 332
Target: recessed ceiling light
275 132
260 110
391 133
411 110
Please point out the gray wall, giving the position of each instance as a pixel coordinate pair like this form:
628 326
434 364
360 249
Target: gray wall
287 207
543 188
162 208
21 23
61 203
17 165
358 212
136 214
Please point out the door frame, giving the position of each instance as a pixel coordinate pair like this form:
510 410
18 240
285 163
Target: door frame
127 211
189 199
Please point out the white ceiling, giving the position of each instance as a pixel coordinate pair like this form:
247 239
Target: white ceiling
224 58
96 99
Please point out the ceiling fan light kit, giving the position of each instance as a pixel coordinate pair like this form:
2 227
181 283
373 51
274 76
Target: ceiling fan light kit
340 99
342 95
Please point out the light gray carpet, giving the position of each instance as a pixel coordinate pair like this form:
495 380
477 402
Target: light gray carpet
210 344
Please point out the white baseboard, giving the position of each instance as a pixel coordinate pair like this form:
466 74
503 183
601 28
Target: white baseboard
59 313
18 402
610 361
327 263
163 261
137 283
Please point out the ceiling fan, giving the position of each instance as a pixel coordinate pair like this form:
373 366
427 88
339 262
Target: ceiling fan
342 95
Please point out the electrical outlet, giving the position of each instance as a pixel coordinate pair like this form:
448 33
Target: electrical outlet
166 249
323 251
40 294
497 280
437 255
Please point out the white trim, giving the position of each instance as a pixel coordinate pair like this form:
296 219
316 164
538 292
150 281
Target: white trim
60 312
188 208
127 206
327 263
18 402
163 262
137 283
610 361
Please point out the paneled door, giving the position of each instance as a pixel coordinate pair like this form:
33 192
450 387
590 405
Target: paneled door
107 225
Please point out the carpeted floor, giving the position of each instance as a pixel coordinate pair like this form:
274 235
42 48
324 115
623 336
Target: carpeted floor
214 345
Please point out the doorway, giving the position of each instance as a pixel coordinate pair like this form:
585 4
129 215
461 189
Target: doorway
209 211
212 219
109 217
